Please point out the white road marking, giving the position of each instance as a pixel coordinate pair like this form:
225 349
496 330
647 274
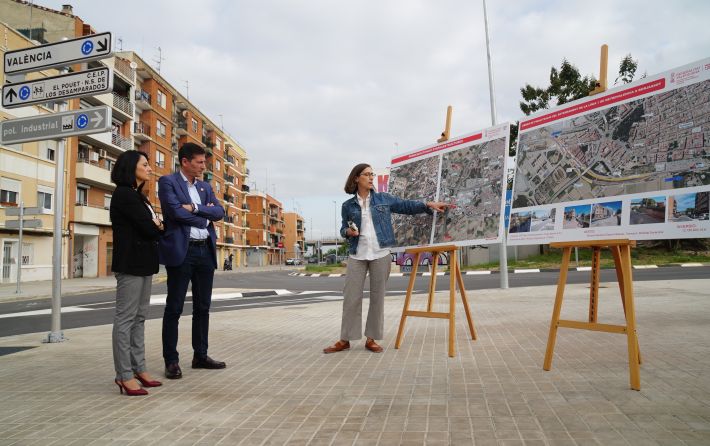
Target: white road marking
43 312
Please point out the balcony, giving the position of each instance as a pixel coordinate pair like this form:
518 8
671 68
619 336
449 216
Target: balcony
123 104
121 141
142 99
123 67
207 141
229 179
228 198
181 128
141 131
229 240
245 207
122 108
229 160
93 175
109 141
91 214
245 188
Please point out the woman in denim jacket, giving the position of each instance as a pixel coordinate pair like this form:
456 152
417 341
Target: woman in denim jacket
367 225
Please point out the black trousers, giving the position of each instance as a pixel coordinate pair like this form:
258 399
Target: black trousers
197 269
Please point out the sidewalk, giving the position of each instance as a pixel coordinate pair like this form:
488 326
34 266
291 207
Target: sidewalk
279 388
43 289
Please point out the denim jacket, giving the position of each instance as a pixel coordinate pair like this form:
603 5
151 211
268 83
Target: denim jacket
382 206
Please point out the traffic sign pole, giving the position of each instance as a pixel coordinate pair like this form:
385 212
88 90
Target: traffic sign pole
19 250
56 335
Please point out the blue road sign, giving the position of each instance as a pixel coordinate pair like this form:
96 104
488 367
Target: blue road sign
87 47
82 121
24 93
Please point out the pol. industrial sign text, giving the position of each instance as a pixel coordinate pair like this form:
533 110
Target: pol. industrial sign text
56 125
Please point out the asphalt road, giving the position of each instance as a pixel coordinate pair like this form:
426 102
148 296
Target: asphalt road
97 308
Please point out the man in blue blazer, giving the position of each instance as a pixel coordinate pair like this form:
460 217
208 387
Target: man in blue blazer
188 249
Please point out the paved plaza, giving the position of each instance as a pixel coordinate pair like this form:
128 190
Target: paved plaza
279 388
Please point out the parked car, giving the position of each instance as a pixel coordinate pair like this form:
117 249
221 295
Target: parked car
313 260
293 261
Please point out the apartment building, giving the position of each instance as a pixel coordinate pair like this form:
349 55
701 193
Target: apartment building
164 120
294 236
26 177
148 114
89 158
265 233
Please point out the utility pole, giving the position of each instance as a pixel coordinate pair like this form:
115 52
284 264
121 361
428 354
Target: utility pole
491 90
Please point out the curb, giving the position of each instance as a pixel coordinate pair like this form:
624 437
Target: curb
512 271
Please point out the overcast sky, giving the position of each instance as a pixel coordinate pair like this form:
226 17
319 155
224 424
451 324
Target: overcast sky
311 88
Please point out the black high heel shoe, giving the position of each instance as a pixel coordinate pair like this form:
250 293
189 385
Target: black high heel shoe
148 382
130 392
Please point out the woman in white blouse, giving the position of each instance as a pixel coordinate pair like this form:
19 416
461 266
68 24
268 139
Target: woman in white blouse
367 225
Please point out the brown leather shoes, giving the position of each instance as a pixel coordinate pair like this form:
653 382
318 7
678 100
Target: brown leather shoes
337 347
371 345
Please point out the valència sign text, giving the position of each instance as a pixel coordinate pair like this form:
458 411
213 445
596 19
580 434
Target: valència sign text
68 52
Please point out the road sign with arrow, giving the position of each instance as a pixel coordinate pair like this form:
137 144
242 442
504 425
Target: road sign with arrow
56 125
67 52
49 89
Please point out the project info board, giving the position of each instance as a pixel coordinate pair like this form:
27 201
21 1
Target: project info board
633 162
468 171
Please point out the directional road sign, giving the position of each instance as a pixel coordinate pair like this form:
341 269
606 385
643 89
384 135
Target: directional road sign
15 212
15 224
73 85
67 52
56 125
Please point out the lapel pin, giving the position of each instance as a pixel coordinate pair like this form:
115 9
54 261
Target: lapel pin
202 190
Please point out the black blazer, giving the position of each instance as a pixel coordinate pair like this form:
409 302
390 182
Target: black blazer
135 236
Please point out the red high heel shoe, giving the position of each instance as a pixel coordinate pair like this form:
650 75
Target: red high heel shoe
148 382
130 392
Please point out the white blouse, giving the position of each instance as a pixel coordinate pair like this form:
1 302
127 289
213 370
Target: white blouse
368 248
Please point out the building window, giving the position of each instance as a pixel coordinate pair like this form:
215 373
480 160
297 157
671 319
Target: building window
157 186
218 186
50 150
160 159
218 144
44 200
109 163
9 190
162 100
194 125
107 201
161 128
82 195
218 165
216 230
27 253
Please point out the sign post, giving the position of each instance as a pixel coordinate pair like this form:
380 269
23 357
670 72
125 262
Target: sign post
21 93
20 224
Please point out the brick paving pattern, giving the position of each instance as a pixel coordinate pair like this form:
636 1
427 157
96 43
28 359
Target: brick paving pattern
279 388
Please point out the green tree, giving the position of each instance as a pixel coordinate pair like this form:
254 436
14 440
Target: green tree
566 84
627 70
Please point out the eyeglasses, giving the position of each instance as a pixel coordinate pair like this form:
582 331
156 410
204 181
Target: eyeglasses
367 174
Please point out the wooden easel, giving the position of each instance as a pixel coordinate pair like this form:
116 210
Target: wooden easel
456 278
621 250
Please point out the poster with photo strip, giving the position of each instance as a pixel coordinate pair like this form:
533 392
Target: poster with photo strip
468 171
633 162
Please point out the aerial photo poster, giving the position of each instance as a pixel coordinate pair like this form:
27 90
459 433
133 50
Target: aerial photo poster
467 171
633 162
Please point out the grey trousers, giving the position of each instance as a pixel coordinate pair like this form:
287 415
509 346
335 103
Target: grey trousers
132 304
351 326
